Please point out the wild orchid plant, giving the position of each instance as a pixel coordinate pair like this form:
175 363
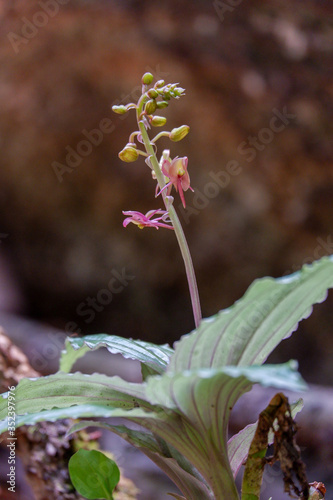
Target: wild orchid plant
187 392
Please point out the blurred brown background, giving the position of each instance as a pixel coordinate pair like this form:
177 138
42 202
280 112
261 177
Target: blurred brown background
64 63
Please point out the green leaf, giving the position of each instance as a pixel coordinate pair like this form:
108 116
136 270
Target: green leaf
283 376
69 355
175 390
238 447
168 459
185 415
247 332
138 438
239 444
193 488
176 466
186 409
156 357
166 425
204 398
63 390
93 474
146 371
77 411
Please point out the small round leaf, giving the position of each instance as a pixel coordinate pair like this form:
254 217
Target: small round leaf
93 474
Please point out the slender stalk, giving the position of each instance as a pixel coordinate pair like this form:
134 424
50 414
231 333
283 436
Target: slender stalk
158 136
192 282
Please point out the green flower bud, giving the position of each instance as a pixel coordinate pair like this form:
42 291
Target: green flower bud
162 104
147 78
150 107
120 110
152 94
178 91
159 84
158 121
129 153
177 134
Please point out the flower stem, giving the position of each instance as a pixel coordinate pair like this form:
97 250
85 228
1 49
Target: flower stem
192 282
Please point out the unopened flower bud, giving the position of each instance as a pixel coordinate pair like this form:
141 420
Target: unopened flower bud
177 134
129 153
166 154
178 91
162 104
147 78
158 121
159 84
152 93
150 107
120 110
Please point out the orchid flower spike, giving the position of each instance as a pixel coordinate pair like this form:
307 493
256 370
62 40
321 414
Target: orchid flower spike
176 172
146 220
168 172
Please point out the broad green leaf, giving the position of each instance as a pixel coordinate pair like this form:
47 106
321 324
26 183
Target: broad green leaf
66 389
204 398
47 393
146 371
93 474
247 332
283 376
190 486
69 355
239 444
156 357
78 411
166 426
187 411
33 396
179 434
173 463
138 438
175 390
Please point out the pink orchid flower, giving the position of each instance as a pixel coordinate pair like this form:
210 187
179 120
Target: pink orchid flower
146 220
176 171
